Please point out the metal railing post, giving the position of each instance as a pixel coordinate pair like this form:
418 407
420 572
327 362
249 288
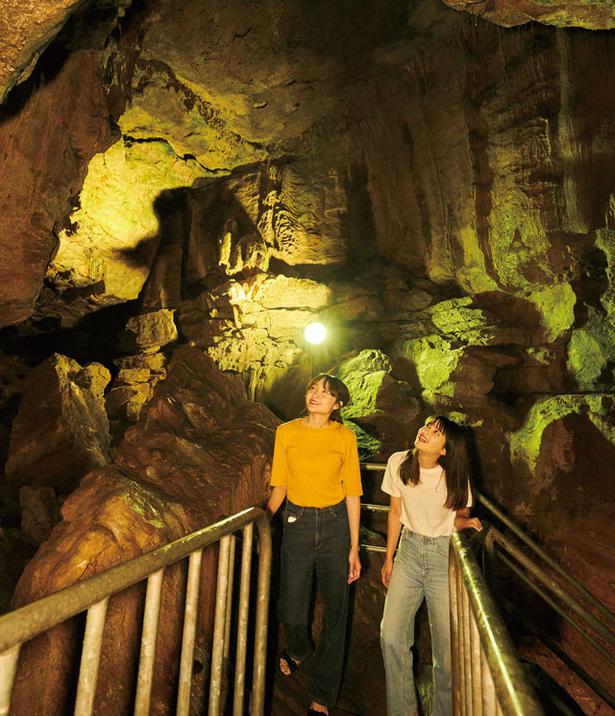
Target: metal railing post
90 658
217 652
242 621
455 657
189 632
262 613
8 668
229 597
148 643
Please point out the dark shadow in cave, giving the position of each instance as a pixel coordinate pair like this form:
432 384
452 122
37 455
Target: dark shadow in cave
88 341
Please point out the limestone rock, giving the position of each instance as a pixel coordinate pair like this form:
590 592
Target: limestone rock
564 451
46 147
181 467
467 211
169 108
26 28
384 409
125 402
271 71
510 13
255 327
40 512
107 254
148 332
61 431
460 360
138 375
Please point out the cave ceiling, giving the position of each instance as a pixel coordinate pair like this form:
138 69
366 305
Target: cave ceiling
226 145
434 180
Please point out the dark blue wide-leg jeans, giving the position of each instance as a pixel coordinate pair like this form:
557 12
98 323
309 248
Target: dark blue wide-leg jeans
316 539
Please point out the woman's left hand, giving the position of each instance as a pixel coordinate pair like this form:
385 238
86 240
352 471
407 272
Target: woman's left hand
466 523
354 565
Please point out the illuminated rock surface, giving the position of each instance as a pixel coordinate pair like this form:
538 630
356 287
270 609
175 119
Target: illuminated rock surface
61 431
590 14
180 468
435 188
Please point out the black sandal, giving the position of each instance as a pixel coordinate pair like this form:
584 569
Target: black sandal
291 664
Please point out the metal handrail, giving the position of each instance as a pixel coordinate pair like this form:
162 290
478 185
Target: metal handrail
92 594
540 576
596 603
487 675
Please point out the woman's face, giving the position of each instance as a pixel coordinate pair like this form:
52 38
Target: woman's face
319 400
430 440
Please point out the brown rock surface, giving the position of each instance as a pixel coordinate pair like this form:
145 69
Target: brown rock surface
183 466
61 431
588 14
40 512
45 143
149 332
26 28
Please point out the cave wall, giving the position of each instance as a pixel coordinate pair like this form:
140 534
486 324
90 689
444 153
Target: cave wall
436 189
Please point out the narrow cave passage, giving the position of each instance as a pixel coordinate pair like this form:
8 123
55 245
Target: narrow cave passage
186 185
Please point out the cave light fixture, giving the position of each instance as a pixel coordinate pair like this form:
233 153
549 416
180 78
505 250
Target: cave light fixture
315 333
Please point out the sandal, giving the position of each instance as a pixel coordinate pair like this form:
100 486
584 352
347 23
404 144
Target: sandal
290 663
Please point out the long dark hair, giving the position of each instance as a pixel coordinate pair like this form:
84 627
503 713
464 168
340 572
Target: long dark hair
455 463
337 389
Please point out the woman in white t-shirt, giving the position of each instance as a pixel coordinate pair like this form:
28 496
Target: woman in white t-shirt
430 496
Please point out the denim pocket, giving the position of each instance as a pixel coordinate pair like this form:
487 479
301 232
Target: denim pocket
292 514
442 546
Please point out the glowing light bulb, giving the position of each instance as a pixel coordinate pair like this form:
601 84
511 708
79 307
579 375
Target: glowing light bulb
315 333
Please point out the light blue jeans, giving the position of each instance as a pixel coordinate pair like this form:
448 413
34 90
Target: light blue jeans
420 571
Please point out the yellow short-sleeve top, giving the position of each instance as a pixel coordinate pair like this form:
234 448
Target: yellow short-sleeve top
319 466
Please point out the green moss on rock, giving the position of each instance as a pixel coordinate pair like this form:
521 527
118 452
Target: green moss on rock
472 274
363 374
526 443
590 349
556 305
435 360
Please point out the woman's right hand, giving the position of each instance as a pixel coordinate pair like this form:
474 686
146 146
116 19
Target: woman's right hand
386 571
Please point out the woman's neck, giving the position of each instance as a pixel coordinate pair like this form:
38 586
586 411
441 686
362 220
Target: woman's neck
314 420
427 463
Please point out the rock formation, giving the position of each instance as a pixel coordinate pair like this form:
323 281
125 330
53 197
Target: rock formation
179 468
61 431
435 187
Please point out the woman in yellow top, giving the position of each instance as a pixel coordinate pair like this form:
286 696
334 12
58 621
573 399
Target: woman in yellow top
316 469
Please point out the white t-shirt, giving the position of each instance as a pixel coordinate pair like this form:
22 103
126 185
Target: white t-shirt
422 505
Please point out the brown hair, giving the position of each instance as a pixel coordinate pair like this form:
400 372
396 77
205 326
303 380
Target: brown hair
337 389
455 463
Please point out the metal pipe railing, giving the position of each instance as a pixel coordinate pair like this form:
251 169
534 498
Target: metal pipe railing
149 634
553 604
488 677
596 603
568 591
93 594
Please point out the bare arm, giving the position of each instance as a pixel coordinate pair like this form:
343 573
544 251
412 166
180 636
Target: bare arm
276 498
393 531
353 507
463 521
